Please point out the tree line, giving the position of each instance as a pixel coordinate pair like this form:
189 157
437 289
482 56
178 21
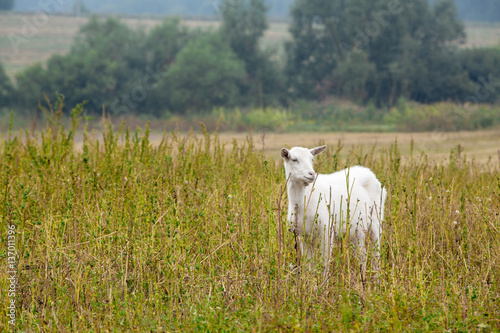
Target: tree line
370 51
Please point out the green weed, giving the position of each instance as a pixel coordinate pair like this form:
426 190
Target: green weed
191 235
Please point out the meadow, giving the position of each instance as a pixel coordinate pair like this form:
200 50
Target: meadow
189 233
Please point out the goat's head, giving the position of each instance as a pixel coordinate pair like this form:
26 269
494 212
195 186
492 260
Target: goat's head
299 163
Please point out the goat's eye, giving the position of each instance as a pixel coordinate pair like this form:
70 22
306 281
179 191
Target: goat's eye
294 160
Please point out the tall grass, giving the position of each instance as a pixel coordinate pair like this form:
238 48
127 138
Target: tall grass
190 235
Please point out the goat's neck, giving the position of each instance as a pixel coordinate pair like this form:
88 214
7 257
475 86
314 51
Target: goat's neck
296 194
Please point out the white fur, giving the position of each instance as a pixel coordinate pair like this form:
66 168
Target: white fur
325 198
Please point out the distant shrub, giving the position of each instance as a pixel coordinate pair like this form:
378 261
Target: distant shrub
205 74
483 67
442 116
273 119
6 89
336 115
268 118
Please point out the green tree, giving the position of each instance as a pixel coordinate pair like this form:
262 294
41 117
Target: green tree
165 41
351 77
112 66
6 4
396 41
439 77
92 79
7 91
31 84
100 66
130 65
162 46
483 69
243 24
205 73
318 28
414 47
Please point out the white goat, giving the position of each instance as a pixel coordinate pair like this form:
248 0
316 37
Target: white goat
323 206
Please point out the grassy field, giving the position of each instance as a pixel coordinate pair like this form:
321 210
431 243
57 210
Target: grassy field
133 233
56 36
480 145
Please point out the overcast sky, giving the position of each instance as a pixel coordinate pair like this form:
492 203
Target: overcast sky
160 7
472 10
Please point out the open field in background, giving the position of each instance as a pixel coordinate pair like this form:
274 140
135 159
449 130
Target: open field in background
481 146
57 35
481 34
133 233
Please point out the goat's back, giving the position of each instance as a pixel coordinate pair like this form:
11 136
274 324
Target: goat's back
361 183
369 181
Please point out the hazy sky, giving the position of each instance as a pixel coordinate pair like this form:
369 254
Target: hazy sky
475 10
180 7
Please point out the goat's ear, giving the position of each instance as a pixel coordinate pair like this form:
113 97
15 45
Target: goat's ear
285 153
317 150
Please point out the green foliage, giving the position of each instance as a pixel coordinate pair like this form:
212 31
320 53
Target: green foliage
414 58
32 83
109 65
106 60
109 36
158 53
98 67
205 73
270 119
190 235
483 67
262 120
355 75
370 52
243 24
164 42
439 78
409 117
395 43
337 116
89 79
168 69
264 84
6 89
315 49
